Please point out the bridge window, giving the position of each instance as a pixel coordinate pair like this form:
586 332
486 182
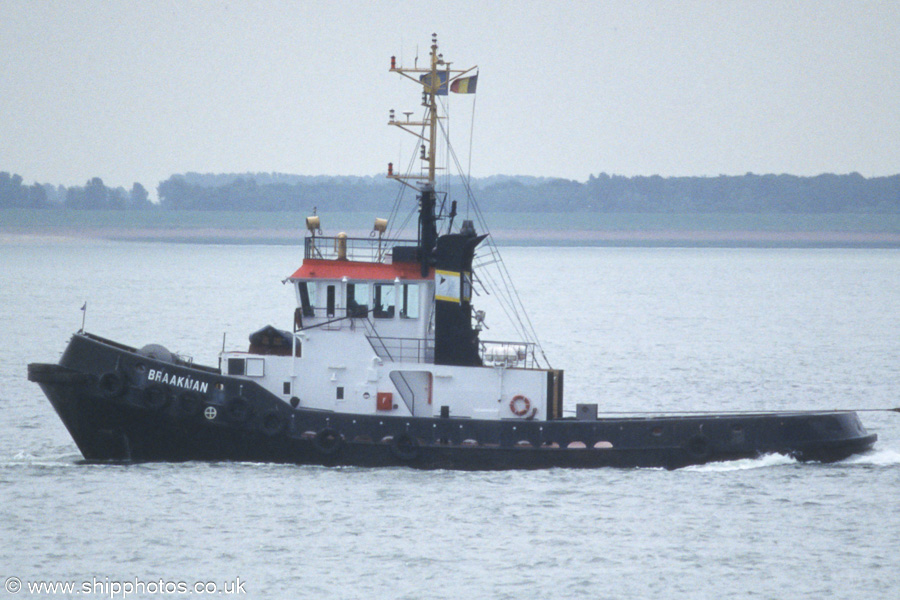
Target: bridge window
384 301
409 301
252 367
235 366
308 297
357 299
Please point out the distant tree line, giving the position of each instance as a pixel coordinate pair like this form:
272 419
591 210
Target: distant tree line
93 195
280 193
748 193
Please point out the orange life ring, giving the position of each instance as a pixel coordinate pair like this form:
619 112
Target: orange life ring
520 405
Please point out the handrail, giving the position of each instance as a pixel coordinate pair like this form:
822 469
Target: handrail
360 314
397 349
371 332
352 248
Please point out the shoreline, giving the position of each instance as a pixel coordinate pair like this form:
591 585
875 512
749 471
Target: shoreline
503 237
520 229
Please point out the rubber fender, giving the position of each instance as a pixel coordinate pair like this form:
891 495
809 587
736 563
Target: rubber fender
156 397
698 447
111 384
328 441
272 423
405 447
53 373
238 409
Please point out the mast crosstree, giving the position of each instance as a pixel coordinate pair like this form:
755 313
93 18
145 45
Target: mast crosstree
435 80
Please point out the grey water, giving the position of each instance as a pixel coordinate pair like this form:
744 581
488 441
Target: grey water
637 329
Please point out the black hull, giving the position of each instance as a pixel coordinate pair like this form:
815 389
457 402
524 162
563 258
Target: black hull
102 393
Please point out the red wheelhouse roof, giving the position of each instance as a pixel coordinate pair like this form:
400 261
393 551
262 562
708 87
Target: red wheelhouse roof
314 268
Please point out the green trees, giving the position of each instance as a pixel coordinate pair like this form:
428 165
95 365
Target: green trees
94 195
748 193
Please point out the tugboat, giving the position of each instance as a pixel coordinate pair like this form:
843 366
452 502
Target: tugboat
384 365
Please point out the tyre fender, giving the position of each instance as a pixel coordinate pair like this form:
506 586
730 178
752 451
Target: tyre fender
328 441
405 447
156 397
111 384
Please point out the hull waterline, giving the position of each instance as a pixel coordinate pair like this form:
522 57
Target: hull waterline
116 412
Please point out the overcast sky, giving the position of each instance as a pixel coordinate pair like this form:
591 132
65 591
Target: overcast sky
137 91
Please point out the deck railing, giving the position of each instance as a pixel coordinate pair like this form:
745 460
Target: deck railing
353 248
493 354
416 350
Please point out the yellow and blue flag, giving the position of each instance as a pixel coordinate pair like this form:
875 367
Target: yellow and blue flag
441 83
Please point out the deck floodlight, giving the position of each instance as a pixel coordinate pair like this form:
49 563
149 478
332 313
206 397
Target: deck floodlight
313 224
380 225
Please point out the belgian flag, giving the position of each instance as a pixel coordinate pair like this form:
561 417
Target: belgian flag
464 85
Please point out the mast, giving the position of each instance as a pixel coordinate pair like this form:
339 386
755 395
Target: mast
455 339
435 81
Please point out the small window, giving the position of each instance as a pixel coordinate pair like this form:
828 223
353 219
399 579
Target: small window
256 367
286 388
409 306
235 366
340 393
357 299
384 301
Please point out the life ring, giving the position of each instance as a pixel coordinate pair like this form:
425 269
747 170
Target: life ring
111 384
327 441
156 397
272 423
698 447
189 404
520 405
405 447
238 409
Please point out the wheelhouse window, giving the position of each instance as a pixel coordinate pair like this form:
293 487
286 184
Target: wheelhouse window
409 301
252 367
384 302
307 291
357 299
236 366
